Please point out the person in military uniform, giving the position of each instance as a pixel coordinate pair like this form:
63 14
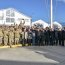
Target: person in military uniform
1 36
5 35
11 36
20 32
16 35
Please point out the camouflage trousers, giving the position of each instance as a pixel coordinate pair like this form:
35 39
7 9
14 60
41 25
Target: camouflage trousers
5 41
16 40
1 40
11 40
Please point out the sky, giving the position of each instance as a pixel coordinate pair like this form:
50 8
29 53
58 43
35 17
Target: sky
37 9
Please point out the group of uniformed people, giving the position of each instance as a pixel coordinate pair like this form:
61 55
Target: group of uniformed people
13 35
9 35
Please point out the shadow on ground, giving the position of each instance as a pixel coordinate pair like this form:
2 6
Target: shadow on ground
6 62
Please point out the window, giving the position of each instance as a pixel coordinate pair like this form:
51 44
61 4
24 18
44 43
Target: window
7 19
10 19
8 13
12 13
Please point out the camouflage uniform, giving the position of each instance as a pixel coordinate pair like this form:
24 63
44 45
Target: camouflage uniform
5 35
17 36
1 36
11 36
20 32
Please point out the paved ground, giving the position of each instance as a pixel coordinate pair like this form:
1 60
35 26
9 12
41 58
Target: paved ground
47 55
56 53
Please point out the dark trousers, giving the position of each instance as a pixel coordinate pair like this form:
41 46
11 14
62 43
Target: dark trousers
29 41
42 42
56 41
62 42
33 41
38 41
47 41
23 41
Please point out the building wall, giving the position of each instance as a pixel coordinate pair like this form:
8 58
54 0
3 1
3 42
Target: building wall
11 16
1 17
19 17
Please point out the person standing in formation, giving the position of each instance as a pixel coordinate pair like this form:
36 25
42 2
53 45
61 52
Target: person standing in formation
1 36
29 37
26 35
16 35
11 36
5 36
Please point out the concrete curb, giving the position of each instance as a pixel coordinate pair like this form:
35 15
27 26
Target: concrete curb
13 46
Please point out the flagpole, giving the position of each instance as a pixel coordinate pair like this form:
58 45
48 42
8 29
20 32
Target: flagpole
51 14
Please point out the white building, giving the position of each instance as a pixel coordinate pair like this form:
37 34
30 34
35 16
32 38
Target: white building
10 16
41 22
57 25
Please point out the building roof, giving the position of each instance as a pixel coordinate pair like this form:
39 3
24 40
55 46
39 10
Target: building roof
16 11
41 22
57 24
